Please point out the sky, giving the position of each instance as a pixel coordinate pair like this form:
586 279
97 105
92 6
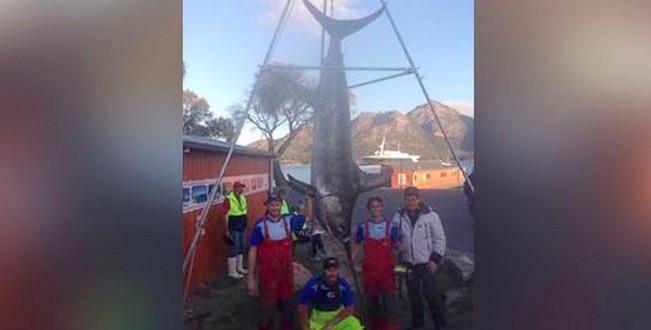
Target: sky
225 41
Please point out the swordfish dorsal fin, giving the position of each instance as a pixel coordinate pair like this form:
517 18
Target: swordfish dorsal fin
340 28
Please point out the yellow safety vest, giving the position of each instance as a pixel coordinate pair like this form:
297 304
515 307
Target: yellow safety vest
236 207
284 208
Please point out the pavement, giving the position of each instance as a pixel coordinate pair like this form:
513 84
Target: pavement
450 204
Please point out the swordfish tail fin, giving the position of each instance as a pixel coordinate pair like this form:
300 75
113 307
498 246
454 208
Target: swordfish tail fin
340 28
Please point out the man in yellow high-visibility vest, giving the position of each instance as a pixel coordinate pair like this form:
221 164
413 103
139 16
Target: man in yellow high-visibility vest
284 205
236 211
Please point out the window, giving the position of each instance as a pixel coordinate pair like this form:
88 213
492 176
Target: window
427 176
402 179
256 183
186 197
444 174
415 177
200 194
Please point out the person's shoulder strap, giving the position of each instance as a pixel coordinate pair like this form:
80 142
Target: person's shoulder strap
265 228
285 221
366 230
387 227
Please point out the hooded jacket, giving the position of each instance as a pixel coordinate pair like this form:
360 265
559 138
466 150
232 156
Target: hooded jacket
425 240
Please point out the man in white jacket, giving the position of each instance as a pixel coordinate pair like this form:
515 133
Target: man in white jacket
423 248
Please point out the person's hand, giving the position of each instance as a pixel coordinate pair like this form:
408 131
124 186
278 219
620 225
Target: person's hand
228 239
432 267
252 286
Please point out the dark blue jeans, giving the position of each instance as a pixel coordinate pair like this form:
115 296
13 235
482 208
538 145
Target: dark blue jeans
237 228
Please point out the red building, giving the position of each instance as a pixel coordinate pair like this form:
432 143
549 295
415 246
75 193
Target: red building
425 175
202 160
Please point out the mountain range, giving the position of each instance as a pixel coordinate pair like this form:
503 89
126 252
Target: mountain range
415 132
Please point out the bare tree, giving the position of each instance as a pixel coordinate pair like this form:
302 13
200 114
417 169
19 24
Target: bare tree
282 96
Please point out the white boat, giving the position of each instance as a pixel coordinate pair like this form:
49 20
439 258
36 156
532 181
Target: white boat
382 155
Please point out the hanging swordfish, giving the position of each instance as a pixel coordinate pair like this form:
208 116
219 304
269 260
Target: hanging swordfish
336 179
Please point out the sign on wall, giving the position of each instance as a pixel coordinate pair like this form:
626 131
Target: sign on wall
196 193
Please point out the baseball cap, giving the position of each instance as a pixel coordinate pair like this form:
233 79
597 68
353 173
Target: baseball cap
238 184
330 263
272 198
411 191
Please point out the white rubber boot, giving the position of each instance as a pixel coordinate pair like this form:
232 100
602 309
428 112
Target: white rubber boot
240 266
232 271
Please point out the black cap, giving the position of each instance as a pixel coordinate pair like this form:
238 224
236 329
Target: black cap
330 262
271 198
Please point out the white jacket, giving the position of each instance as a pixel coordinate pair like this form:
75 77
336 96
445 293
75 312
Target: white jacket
426 240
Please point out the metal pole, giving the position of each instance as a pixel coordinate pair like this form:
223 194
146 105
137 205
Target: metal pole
380 79
348 68
189 258
401 276
422 87
271 175
325 2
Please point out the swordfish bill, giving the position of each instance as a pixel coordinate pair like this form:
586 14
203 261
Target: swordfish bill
336 179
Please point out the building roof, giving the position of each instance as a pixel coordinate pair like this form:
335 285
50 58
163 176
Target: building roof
203 143
421 165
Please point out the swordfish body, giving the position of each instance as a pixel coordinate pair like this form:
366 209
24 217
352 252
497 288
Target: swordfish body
336 179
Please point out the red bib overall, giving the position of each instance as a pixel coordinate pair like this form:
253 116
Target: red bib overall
378 263
276 269
379 275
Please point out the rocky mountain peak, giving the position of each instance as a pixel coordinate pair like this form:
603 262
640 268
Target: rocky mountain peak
415 132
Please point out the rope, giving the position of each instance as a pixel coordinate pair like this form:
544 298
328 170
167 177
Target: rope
190 256
424 90
281 28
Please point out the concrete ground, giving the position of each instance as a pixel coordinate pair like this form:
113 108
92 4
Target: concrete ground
224 303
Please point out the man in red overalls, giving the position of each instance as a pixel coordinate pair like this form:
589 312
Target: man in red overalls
270 256
379 237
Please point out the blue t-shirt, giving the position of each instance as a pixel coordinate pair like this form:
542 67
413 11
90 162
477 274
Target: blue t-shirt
276 228
320 296
377 230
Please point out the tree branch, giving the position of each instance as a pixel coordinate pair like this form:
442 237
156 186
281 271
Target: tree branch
288 140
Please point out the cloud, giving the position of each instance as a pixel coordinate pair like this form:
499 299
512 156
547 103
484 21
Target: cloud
301 19
464 107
